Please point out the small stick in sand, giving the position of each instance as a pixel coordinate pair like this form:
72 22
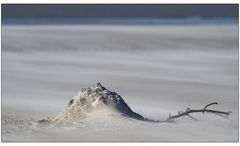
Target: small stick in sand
189 111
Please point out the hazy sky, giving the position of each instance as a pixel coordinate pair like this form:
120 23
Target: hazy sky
118 11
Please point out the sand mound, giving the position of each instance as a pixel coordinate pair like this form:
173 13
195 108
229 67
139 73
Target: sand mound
92 99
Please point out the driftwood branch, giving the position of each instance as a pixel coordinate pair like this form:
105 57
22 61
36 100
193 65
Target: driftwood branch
189 111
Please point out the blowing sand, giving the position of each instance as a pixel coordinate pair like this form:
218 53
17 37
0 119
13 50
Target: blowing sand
156 69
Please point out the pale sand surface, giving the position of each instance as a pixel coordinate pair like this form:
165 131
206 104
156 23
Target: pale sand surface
156 69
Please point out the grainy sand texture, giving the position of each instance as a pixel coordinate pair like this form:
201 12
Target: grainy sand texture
157 69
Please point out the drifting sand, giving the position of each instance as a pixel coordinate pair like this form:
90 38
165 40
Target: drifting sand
156 69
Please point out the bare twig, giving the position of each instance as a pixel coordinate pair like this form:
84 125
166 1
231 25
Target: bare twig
195 119
189 111
209 105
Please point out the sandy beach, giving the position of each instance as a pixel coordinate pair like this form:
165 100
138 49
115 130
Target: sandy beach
157 69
